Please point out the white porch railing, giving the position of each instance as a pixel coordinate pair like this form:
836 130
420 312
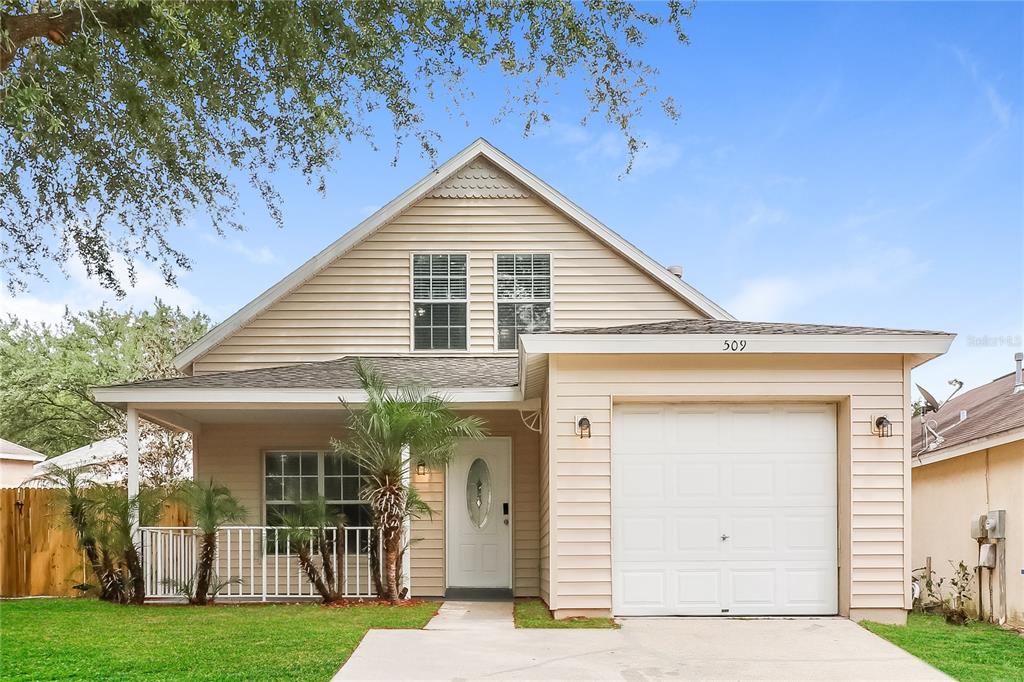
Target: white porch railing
254 562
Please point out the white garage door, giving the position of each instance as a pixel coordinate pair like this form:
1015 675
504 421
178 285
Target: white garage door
724 510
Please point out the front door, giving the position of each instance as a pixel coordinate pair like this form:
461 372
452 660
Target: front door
479 515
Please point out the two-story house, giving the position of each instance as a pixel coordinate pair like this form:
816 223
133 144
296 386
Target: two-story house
648 453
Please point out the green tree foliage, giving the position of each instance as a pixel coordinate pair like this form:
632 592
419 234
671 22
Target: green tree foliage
119 117
46 374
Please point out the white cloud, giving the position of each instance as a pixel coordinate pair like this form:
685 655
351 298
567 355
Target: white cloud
656 154
780 297
1000 108
257 256
368 210
80 292
564 133
762 214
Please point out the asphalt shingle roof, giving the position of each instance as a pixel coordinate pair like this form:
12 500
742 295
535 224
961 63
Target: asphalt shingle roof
991 409
701 326
432 371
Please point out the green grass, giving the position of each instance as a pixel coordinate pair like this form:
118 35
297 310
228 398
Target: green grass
48 639
533 613
974 652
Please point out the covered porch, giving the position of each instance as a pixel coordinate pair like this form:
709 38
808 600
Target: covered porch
272 444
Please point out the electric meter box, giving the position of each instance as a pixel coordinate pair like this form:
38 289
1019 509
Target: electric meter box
995 522
987 555
978 530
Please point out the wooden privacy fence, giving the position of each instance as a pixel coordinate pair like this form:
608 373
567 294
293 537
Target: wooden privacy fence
39 554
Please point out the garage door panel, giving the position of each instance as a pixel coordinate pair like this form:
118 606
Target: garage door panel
698 589
751 587
642 480
752 482
807 482
642 429
750 533
698 533
642 534
643 588
696 430
697 480
742 520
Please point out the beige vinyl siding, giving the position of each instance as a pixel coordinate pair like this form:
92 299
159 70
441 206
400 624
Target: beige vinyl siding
875 550
232 454
360 303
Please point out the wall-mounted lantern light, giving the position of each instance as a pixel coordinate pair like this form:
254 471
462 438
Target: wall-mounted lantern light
582 427
421 468
883 427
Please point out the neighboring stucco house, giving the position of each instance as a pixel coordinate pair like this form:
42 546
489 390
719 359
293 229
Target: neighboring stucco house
649 453
969 462
16 463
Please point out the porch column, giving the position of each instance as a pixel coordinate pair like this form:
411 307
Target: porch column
407 526
133 462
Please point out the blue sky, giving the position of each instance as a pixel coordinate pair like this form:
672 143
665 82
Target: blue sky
838 163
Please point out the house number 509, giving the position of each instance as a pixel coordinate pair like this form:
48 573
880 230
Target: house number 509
734 345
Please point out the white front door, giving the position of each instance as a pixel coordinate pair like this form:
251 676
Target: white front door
724 510
478 508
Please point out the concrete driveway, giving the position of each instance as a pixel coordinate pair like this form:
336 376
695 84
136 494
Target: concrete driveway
468 646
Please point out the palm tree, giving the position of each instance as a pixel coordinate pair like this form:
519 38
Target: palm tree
212 506
114 512
395 426
307 535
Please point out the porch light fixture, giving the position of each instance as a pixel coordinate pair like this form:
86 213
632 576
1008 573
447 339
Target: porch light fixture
583 427
883 427
421 468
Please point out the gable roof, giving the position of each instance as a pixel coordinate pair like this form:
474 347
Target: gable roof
993 410
430 183
13 451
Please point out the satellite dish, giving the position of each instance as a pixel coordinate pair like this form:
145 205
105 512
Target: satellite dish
930 403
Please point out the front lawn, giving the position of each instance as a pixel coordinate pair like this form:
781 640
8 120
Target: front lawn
47 639
974 652
533 613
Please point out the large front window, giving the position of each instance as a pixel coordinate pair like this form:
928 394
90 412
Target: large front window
524 296
439 295
301 475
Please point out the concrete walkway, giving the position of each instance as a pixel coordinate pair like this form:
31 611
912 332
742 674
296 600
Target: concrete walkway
471 641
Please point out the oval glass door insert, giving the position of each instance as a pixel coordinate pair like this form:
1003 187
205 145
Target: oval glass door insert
478 492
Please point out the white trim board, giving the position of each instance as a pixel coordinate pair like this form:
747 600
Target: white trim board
410 196
726 344
23 458
983 443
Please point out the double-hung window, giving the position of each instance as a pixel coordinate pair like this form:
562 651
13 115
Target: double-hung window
293 476
524 296
439 295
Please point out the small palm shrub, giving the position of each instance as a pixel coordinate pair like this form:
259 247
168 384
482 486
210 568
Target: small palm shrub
101 516
211 506
307 527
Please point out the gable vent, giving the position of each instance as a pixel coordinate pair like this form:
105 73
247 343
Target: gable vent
479 180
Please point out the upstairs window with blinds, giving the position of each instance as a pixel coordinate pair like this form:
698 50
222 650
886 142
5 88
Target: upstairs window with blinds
439 295
524 296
